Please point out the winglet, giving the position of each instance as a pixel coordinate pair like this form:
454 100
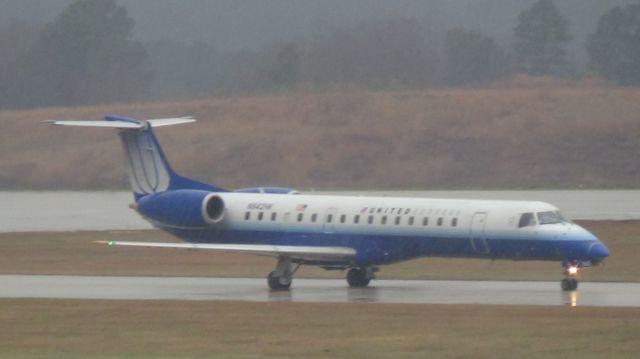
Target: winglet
109 243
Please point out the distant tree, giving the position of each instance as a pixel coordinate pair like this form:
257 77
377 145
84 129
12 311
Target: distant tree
183 69
16 40
614 49
87 56
539 39
285 71
375 53
472 57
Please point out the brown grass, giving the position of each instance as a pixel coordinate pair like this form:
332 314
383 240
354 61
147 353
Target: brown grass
160 329
522 134
76 253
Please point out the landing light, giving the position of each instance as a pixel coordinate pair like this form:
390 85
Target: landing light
573 270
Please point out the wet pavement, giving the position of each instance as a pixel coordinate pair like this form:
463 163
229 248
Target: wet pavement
319 290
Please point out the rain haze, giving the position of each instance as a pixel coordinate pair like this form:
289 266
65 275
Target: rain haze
478 152
199 48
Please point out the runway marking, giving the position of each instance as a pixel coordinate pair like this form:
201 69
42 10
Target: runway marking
318 290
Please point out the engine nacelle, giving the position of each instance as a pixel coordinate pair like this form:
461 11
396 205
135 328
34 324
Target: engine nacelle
183 208
213 209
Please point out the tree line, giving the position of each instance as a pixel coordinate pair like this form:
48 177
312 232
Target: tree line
87 55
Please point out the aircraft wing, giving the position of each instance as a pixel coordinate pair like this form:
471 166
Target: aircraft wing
297 252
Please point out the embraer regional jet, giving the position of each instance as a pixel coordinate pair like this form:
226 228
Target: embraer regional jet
352 233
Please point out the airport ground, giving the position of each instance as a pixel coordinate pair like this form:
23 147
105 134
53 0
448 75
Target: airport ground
52 328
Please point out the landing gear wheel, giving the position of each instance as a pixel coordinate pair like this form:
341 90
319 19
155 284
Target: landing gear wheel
357 278
569 284
275 282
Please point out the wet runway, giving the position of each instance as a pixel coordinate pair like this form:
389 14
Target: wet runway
318 290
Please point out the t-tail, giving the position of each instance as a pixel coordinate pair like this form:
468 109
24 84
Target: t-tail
148 169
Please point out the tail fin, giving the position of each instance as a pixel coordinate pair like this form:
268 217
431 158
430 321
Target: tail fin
148 169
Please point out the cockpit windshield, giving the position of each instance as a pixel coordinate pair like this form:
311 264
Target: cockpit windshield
550 217
526 220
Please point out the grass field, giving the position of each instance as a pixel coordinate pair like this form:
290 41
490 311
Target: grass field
76 253
163 329
528 134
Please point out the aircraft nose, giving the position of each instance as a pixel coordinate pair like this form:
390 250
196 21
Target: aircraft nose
598 251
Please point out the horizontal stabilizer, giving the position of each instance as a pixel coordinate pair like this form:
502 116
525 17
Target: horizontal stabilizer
125 123
158 122
109 124
298 252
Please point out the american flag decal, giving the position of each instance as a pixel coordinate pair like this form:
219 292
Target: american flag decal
364 210
301 207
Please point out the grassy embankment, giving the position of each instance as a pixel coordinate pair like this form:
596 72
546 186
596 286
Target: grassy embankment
75 253
163 329
541 134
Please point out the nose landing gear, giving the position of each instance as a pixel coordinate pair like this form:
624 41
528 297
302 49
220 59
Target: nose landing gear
570 282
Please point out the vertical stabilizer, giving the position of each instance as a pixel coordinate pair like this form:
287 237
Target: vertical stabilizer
148 170
147 167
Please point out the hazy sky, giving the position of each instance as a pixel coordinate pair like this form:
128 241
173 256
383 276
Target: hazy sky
231 25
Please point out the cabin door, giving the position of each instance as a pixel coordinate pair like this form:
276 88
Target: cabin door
477 236
330 218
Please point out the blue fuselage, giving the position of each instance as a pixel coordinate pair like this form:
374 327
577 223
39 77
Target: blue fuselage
572 244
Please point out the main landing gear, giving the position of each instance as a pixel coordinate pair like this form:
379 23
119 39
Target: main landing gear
282 276
360 277
570 282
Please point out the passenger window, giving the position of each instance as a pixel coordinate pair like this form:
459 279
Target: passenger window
425 221
273 216
526 220
300 216
247 216
314 217
329 218
260 215
370 220
343 218
454 222
383 220
439 221
356 219
410 221
397 220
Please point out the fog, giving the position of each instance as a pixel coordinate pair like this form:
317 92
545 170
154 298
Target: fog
232 25
233 39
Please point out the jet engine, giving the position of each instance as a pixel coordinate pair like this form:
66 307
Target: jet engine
183 208
213 209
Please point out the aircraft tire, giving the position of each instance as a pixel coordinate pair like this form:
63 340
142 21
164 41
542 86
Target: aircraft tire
569 284
275 284
357 278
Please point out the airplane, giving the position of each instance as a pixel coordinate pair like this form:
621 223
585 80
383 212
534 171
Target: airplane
353 233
